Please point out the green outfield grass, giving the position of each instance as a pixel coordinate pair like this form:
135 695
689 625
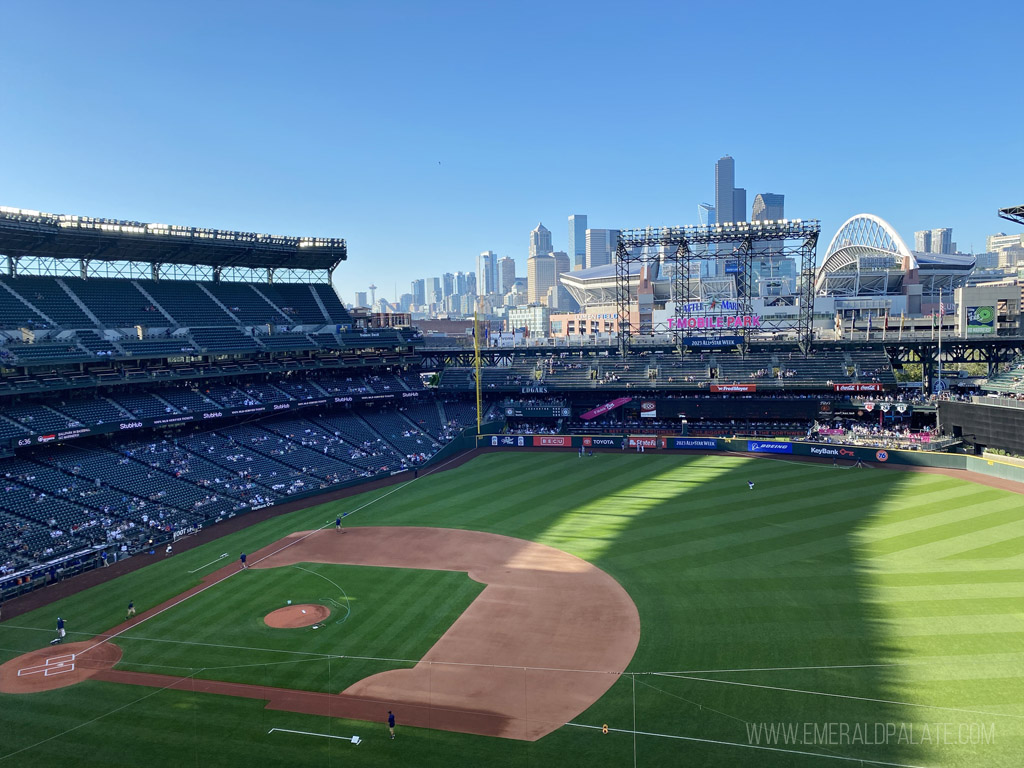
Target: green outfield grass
901 595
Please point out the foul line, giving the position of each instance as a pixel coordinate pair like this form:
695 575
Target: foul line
176 603
841 696
861 760
89 722
310 733
210 563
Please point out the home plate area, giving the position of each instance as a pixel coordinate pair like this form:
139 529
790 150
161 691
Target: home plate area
49 668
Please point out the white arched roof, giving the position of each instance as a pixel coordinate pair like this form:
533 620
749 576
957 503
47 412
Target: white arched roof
873 239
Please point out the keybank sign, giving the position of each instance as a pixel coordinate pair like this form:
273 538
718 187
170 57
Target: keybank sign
755 446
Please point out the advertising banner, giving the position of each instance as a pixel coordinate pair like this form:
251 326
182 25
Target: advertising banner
734 387
756 446
648 409
508 441
981 321
692 443
920 437
857 387
549 441
602 442
835 451
647 441
712 342
619 401
830 431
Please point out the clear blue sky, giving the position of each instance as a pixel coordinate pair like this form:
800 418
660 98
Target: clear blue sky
425 133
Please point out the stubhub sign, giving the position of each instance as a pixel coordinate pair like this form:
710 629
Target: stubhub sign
756 446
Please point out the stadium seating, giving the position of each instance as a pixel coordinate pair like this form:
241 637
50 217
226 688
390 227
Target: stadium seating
246 304
187 303
223 340
116 303
14 313
142 405
47 296
163 346
336 313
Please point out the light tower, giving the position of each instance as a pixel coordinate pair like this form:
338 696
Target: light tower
373 294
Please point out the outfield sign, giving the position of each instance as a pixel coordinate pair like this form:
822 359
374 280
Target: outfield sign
552 441
857 387
646 441
836 452
714 322
712 342
692 443
508 441
734 387
602 442
601 409
981 321
772 446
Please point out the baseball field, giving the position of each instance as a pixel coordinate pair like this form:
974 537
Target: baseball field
547 609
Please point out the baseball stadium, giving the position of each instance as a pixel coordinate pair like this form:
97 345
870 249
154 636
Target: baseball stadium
242 523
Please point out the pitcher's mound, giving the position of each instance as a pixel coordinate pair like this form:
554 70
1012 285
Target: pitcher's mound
292 616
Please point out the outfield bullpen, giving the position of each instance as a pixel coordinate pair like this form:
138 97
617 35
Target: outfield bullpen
823 596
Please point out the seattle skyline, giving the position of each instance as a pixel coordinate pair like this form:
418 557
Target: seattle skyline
297 124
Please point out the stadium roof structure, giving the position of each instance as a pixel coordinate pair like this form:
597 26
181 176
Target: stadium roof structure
26 233
1014 213
595 286
867 257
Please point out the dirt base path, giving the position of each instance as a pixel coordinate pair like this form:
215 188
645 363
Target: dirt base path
545 639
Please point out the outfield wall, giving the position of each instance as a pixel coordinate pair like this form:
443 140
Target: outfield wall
840 453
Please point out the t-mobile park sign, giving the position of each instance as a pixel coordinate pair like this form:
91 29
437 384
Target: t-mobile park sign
714 322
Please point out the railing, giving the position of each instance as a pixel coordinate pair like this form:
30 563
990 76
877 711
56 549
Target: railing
1005 402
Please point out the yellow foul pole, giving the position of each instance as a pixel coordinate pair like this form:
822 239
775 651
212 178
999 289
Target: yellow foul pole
476 368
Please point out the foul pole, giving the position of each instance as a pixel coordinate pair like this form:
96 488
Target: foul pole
476 369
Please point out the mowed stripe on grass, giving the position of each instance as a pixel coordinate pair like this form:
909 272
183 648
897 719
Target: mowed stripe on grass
815 567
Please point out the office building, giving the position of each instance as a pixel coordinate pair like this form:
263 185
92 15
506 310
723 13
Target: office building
923 241
578 240
486 270
540 241
448 284
768 206
725 183
540 275
1001 241
532 318
506 274
942 240
602 246
418 288
706 214
739 204
405 302
361 299
563 300
435 294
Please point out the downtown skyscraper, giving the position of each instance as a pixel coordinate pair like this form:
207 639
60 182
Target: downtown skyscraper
487 272
730 200
540 241
578 240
